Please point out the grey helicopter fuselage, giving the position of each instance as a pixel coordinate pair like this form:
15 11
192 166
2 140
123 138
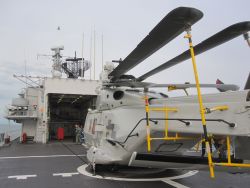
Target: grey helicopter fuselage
115 131
117 127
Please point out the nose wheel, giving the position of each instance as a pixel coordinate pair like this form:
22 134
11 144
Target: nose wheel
92 167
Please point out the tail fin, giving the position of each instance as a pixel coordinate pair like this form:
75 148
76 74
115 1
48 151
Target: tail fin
218 81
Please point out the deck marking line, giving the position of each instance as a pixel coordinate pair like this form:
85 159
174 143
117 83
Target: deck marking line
70 174
22 177
174 184
186 175
168 180
42 156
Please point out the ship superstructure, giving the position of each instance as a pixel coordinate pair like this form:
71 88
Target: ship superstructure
48 103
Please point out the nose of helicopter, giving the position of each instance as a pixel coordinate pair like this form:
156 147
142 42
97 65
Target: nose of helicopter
99 156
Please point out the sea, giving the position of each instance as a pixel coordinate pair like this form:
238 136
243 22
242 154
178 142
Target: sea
12 130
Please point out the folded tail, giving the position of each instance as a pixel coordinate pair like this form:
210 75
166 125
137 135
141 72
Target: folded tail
218 81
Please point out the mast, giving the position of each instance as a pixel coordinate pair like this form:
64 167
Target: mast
102 52
90 55
82 55
94 53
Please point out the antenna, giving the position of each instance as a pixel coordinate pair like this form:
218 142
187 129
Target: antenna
25 71
25 67
90 58
102 52
82 54
29 80
94 53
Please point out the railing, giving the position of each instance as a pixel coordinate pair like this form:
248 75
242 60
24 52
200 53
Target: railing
14 134
1 139
10 134
22 113
185 121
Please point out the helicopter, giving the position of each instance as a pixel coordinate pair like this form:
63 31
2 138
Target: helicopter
133 125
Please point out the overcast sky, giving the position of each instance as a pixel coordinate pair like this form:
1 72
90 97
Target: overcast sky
29 27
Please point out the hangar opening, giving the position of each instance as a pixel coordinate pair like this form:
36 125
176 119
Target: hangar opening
66 110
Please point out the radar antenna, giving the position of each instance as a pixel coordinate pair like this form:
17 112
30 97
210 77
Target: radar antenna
75 67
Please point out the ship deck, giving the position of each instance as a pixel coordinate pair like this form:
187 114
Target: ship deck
62 164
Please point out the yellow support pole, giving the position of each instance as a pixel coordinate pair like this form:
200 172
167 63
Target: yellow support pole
202 112
174 138
233 165
164 109
228 150
147 122
166 122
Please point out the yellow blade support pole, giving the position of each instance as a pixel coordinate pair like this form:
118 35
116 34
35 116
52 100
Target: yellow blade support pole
166 122
228 150
147 122
210 162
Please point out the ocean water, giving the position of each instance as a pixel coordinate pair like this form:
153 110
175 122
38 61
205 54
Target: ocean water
13 130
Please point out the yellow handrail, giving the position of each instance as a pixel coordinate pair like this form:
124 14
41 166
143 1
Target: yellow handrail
147 120
229 160
166 110
216 108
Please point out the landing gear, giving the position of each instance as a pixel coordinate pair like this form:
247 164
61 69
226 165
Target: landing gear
92 168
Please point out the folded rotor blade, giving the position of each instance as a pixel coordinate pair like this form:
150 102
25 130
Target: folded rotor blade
169 27
215 40
224 87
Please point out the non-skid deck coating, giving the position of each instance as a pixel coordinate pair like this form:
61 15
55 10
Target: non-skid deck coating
57 165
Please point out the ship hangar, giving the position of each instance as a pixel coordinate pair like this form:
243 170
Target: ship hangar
57 102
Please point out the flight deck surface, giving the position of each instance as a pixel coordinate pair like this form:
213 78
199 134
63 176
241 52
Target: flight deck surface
62 164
